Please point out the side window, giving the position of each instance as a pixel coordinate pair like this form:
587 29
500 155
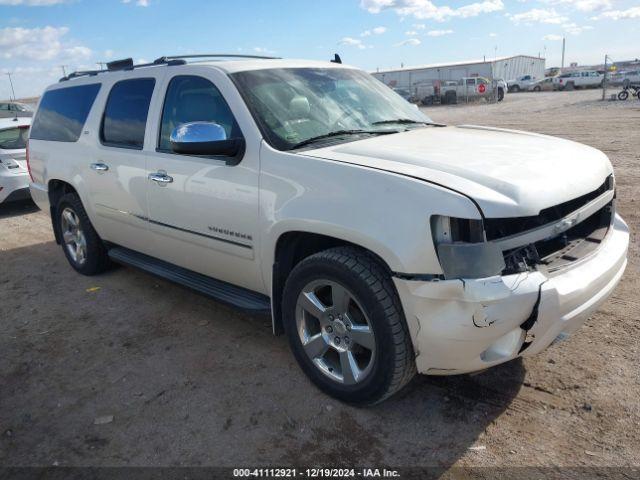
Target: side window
125 115
4 106
194 99
471 81
62 113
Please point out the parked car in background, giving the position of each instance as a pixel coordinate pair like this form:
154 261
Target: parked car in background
404 93
627 78
14 176
467 88
380 242
582 79
429 92
521 83
14 109
544 84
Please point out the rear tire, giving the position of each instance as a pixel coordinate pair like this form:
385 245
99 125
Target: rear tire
623 95
373 357
451 98
515 88
537 89
80 242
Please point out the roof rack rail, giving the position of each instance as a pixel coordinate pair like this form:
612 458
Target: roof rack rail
118 65
127 63
213 55
124 64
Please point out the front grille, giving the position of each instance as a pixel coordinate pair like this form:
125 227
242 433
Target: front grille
503 227
564 249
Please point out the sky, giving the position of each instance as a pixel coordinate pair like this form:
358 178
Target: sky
37 37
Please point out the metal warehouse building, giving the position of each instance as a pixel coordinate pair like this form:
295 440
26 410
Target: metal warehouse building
506 68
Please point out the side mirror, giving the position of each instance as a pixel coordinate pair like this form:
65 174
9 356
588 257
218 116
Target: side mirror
205 138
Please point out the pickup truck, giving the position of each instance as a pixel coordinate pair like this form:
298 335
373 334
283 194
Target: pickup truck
583 79
520 84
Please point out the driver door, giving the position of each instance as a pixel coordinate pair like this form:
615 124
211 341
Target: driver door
204 215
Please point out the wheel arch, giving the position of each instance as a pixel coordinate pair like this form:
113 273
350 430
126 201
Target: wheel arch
56 190
291 247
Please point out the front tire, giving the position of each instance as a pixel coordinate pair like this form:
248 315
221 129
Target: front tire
346 327
80 242
623 95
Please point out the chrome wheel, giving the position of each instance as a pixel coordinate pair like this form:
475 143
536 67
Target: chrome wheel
335 332
74 240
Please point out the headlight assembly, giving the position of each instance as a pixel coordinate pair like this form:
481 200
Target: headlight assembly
463 250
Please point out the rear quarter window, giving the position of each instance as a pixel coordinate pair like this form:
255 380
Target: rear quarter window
125 115
63 112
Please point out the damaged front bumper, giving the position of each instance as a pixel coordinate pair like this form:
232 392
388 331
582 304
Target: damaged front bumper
460 326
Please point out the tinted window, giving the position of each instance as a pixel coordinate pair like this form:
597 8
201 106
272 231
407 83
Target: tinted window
194 99
14 138
471 81
62 113
125 116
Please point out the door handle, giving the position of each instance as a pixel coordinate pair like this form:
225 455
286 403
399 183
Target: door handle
99 167
160 178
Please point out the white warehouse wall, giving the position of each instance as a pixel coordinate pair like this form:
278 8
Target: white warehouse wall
506 68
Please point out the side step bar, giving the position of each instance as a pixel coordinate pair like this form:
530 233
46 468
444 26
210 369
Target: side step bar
221 291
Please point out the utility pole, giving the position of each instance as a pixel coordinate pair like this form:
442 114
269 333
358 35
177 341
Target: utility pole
604 80
563 45
11 83
64 72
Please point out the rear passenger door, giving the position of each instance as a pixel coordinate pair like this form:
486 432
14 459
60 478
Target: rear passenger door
205 216
116 169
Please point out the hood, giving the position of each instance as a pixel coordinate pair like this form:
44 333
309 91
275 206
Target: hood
508 173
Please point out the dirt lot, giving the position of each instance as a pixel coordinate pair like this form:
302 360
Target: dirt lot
190 382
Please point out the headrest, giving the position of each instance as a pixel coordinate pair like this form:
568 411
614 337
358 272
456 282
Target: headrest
299 107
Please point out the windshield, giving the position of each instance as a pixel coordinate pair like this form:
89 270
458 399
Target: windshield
295 105
14 138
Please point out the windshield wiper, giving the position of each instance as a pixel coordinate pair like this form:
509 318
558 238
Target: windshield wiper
401 121
340 133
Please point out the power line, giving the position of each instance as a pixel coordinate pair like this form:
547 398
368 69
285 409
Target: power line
11 83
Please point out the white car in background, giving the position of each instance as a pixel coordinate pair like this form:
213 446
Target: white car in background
630 77
14 175
521 83
584 79
15 109
544 84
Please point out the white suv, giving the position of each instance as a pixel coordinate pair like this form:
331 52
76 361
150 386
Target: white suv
380 242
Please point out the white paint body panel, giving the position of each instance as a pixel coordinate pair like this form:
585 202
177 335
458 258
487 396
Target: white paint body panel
12 179
509 173
378 193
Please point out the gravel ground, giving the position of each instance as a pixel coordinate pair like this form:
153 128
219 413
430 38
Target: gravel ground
173 378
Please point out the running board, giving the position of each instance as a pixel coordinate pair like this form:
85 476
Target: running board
221 291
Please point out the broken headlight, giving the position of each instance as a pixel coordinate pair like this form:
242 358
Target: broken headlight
463 250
